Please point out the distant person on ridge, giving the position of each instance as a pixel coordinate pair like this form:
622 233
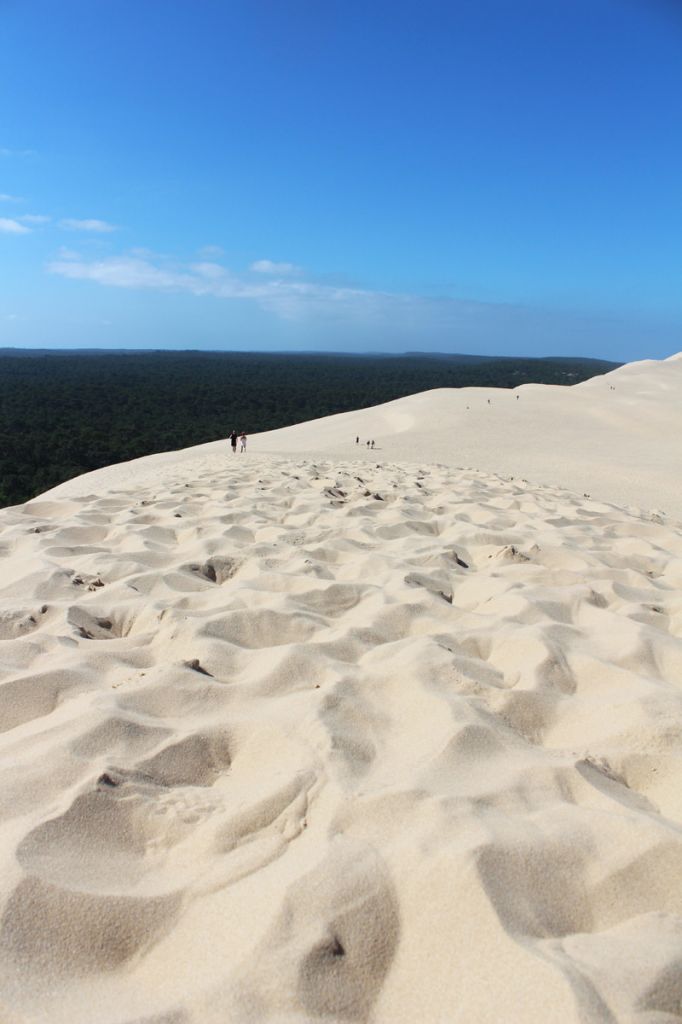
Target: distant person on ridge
233 441
242 442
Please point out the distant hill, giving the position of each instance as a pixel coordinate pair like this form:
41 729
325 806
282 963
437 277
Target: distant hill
64 412
459 357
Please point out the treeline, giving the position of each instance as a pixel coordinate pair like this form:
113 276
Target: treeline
66 413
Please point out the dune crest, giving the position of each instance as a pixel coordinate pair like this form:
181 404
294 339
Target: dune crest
617 437
308 740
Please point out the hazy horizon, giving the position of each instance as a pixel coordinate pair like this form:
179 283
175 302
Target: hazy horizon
137 350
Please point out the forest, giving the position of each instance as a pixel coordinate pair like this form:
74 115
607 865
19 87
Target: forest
63 413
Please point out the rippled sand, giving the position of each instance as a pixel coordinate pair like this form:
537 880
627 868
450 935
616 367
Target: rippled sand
303 739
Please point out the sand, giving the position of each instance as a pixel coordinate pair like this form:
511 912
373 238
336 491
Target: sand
617 437
338 735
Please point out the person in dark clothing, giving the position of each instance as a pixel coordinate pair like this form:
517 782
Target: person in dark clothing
234 437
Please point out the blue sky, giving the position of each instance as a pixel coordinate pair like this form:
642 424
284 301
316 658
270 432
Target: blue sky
498 176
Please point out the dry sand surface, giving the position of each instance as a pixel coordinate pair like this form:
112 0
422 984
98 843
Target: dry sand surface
304 738
616 437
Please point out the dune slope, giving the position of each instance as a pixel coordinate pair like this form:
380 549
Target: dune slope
301 740
321 733
617 437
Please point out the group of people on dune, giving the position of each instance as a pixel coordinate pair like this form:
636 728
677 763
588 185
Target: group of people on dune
234 437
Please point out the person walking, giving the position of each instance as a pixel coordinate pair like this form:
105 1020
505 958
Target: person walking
242 442
233 441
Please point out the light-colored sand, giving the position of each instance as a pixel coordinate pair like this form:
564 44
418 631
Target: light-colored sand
311 739
617 437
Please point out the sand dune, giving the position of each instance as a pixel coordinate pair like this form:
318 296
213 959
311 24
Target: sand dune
616 437
308 738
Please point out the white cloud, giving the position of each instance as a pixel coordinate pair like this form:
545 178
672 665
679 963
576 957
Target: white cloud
4 198
90 224
5 151
68 254
34 218
275 269
290 299
209 271
119 272
353 316
8 226
209 252
335 307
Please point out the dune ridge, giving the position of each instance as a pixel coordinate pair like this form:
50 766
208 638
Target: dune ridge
303 739
617 437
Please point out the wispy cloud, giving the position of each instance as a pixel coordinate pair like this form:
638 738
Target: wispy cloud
275 269
343 312
68 254
89 224
290 299
4 198
210 252
143 253
5 151
34 218
10 226
120 272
